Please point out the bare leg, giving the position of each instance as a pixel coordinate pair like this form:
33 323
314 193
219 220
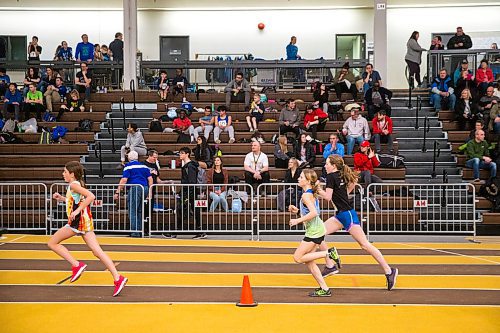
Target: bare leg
332 225
92 243
316 273
359 236
254 122
306 253
249 123
61 235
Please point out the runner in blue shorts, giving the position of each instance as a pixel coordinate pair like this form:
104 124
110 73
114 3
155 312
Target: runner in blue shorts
340 181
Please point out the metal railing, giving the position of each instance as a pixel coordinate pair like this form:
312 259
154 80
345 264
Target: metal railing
427 128
201 208
122 110
273 200
98 154
435 155
125 215
417 110
132 89
23 206
421 208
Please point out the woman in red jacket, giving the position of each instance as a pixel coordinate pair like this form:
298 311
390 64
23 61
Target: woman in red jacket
314 119
364 162
382 131
484 77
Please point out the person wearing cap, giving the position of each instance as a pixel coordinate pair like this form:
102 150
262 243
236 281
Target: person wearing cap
364 162
355 128
135 173
377 98
345 82
206 124
442 90
382 131
464 66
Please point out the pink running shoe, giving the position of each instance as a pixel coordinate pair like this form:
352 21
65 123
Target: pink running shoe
122 281
77 271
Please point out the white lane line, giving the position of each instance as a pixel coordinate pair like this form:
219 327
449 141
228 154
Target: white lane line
13 240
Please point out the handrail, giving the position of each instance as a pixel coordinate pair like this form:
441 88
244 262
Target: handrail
445 177
132 89
419 107
113 149
426 129
437 152
122 109
443 190
410 88
98 148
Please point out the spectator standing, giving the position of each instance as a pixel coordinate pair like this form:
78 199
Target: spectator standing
34 50
256 167
382 131
179 83
4 81
116 51
370 76
55 93
238 91
442 92
135 173
223 123
255 113
437 43
304 152
206 124
84 50
33 103
65 53
315 119
83 81
465 110
292 50
355 128
97 53
478 156
377 98
154 167
135 142
344 82
364 162
218 176
484 77
281 154
413 56
459 41
105 53
12 102
289 119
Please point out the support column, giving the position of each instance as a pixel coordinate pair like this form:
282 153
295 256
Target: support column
380 38
129 43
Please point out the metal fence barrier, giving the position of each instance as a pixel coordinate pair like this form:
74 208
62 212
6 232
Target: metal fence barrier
273 200
421 208
201 208
23 206
125 215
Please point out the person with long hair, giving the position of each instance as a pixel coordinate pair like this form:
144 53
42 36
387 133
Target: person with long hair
78 200
73 104
315 231
281 154
320 94
202 153
219 177
340 181
466 110
413 56
304 152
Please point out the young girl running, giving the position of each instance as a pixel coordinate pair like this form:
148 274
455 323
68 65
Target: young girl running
315 231
340 181
78 200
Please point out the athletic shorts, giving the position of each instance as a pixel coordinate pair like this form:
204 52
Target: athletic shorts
76 231
314 240
348 218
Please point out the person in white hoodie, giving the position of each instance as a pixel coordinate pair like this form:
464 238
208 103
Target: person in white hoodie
355 128
135 142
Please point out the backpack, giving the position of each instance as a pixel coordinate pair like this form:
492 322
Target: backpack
491 191
217 152
155 126
58 132
236 205
184 138
48 117
85 125
286 198
9 126
8 138
391 161
171 114
44 138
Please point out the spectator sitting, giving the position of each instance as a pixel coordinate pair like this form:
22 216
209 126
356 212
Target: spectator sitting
97 53
293 172
256 113
494 124
320 95
488 104
238 90
355 127
182 124
382 131
478 125
202 153
484 77
465 110
163 86
12 102
48 79
180 83
4 81
377 98
466 81
33 103
223 123
315 119
55 93
281 154
34 50
83 81
344 82
477 152
154 167
206 124
437 43
334 147
84 50
217 176
442 92
32 76
73 103
65 53
464 66
304 152
256 167
370 76
135 142
105 53
289 119
364 162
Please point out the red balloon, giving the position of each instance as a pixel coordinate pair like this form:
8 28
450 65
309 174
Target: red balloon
261 26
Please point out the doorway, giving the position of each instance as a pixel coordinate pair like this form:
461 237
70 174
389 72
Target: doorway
350 46
174 49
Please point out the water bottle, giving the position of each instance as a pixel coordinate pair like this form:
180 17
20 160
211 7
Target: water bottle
172 164
90 108
98 89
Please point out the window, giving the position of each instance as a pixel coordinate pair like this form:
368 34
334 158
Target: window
13 48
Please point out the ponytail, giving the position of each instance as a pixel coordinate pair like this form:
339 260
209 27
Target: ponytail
312 178
348 175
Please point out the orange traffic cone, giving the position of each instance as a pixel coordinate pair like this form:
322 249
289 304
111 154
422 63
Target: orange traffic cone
246 294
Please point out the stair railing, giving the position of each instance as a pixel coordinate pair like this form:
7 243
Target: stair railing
111 130
443 190
122 109
132 89
98 153
417 110
437 152
426 130
411 84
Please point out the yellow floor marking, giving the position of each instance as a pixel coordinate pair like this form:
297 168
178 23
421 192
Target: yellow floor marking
105 240
246 258
193 318
11 238
257 280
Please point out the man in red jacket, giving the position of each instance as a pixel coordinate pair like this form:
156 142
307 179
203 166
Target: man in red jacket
182 124
382 131
364 162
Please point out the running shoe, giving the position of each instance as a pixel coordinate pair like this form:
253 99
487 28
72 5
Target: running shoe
77 271
122 281
327 271
320 293
200 236
391 278
334 255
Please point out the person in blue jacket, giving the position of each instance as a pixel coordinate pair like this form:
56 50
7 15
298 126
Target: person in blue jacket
12 102
84 50
292 50
442 91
